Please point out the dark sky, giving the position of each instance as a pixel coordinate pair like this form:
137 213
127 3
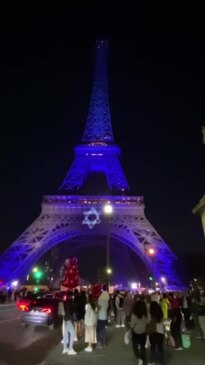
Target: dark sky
156 77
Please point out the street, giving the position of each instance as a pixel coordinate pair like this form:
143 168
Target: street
41 346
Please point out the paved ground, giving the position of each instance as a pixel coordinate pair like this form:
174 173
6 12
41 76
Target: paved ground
29 346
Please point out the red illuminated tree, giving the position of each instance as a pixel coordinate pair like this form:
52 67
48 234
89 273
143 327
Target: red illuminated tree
70 273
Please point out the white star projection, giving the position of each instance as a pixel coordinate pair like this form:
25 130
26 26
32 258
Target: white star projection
92 217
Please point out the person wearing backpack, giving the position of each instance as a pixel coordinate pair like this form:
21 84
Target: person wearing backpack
120 315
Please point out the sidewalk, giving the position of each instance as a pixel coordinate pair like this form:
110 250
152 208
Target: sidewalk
117 353
7 306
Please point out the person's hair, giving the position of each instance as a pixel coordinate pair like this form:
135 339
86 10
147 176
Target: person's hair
76 291
104 287
139 309
91 301
164 296
156 311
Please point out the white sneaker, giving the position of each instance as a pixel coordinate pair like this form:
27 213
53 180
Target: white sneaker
75 338
179 349
72 352
122 325
117 326
140 362
88 349
65 351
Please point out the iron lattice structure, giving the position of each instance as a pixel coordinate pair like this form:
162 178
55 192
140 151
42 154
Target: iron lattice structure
66 216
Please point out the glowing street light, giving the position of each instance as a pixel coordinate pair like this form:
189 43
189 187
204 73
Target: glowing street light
163 280
109 270
151 251
14 283
108 209
35 269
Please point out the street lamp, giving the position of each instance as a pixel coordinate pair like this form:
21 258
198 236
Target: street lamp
108 211
151 252
109 270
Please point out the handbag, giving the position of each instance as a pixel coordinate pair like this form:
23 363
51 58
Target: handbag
186 341
128 337
151 327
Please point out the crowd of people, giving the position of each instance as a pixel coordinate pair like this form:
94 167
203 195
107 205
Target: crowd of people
7 294
150 321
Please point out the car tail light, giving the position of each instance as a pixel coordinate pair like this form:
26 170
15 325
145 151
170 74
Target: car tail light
24 307
46 310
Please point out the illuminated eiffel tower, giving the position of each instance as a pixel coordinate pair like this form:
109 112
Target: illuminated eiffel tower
73 215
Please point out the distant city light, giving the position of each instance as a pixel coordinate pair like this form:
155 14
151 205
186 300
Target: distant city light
163 280
133 285
35 269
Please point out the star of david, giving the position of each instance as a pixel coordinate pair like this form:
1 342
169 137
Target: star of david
92 217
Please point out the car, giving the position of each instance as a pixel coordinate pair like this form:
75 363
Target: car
41 312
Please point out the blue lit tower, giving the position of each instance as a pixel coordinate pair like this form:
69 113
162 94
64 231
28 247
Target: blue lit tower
97 153
72 214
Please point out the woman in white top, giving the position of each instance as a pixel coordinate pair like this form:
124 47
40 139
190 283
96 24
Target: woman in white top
90 321
157 337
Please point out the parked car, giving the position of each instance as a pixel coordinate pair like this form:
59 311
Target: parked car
41 312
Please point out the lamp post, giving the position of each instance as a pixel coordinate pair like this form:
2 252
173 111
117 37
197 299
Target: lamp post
108 211
151 252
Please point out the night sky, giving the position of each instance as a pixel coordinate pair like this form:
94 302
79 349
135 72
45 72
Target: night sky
156 79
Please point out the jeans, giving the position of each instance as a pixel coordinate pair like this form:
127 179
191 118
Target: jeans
120 317
68 329
175 328
138 345
157 345
101 331
186 313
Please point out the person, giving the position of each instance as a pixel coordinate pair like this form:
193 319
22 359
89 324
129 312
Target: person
155 297
186 304
202 314
90 321
156 337
138 325
195 308
66 310
103 302
120 315
165 306
176 320
127 307
79 312
113 304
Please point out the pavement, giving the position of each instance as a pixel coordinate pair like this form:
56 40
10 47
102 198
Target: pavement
40 346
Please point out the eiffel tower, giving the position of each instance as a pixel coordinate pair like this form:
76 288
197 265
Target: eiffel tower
72 214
